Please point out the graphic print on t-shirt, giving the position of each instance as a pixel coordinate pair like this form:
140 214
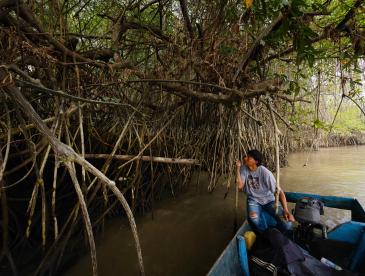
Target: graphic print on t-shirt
253 182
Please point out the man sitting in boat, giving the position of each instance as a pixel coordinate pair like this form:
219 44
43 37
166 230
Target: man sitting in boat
259 184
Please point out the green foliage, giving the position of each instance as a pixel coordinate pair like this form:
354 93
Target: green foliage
301 117
318 124
302 36
217 19
232 13
226 50
294 88
349 120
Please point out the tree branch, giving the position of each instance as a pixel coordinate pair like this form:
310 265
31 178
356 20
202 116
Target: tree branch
253 90
185 13
250 53
148 158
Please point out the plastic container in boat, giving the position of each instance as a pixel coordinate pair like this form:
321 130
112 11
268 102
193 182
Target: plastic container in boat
250 238
330 264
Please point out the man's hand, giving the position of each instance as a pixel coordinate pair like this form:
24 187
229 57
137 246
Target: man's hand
288 216
239 180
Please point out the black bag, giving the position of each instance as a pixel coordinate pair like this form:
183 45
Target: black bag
271 253
259 267
275 254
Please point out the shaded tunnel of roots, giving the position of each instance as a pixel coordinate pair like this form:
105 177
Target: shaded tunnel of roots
109 107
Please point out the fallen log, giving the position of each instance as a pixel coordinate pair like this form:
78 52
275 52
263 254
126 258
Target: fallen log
157 159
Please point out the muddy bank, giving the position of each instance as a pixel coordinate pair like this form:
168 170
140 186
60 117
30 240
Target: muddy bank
307 141
351 139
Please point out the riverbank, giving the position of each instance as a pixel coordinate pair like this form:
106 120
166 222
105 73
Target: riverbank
307 141
343 139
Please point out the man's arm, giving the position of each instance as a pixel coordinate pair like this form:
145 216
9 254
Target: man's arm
239 181
287 214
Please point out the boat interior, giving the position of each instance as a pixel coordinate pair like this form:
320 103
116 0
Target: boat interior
342 246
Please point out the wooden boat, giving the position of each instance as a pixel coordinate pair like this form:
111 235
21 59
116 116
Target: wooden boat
346 242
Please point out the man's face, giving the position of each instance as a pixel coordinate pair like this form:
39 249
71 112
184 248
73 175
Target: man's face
249 161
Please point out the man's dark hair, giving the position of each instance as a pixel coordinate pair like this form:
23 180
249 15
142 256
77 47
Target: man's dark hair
255 154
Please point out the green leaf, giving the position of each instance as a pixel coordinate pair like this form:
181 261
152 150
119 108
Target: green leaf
226 50
318 124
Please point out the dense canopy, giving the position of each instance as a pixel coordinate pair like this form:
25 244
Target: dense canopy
118 102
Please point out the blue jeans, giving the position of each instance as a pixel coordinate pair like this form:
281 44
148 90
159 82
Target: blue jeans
262 217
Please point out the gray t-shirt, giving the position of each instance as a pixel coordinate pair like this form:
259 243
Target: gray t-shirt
260 185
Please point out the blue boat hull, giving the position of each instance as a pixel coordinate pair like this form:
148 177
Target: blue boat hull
228 262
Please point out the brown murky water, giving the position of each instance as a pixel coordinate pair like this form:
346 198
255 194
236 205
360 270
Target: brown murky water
330 171
187 234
